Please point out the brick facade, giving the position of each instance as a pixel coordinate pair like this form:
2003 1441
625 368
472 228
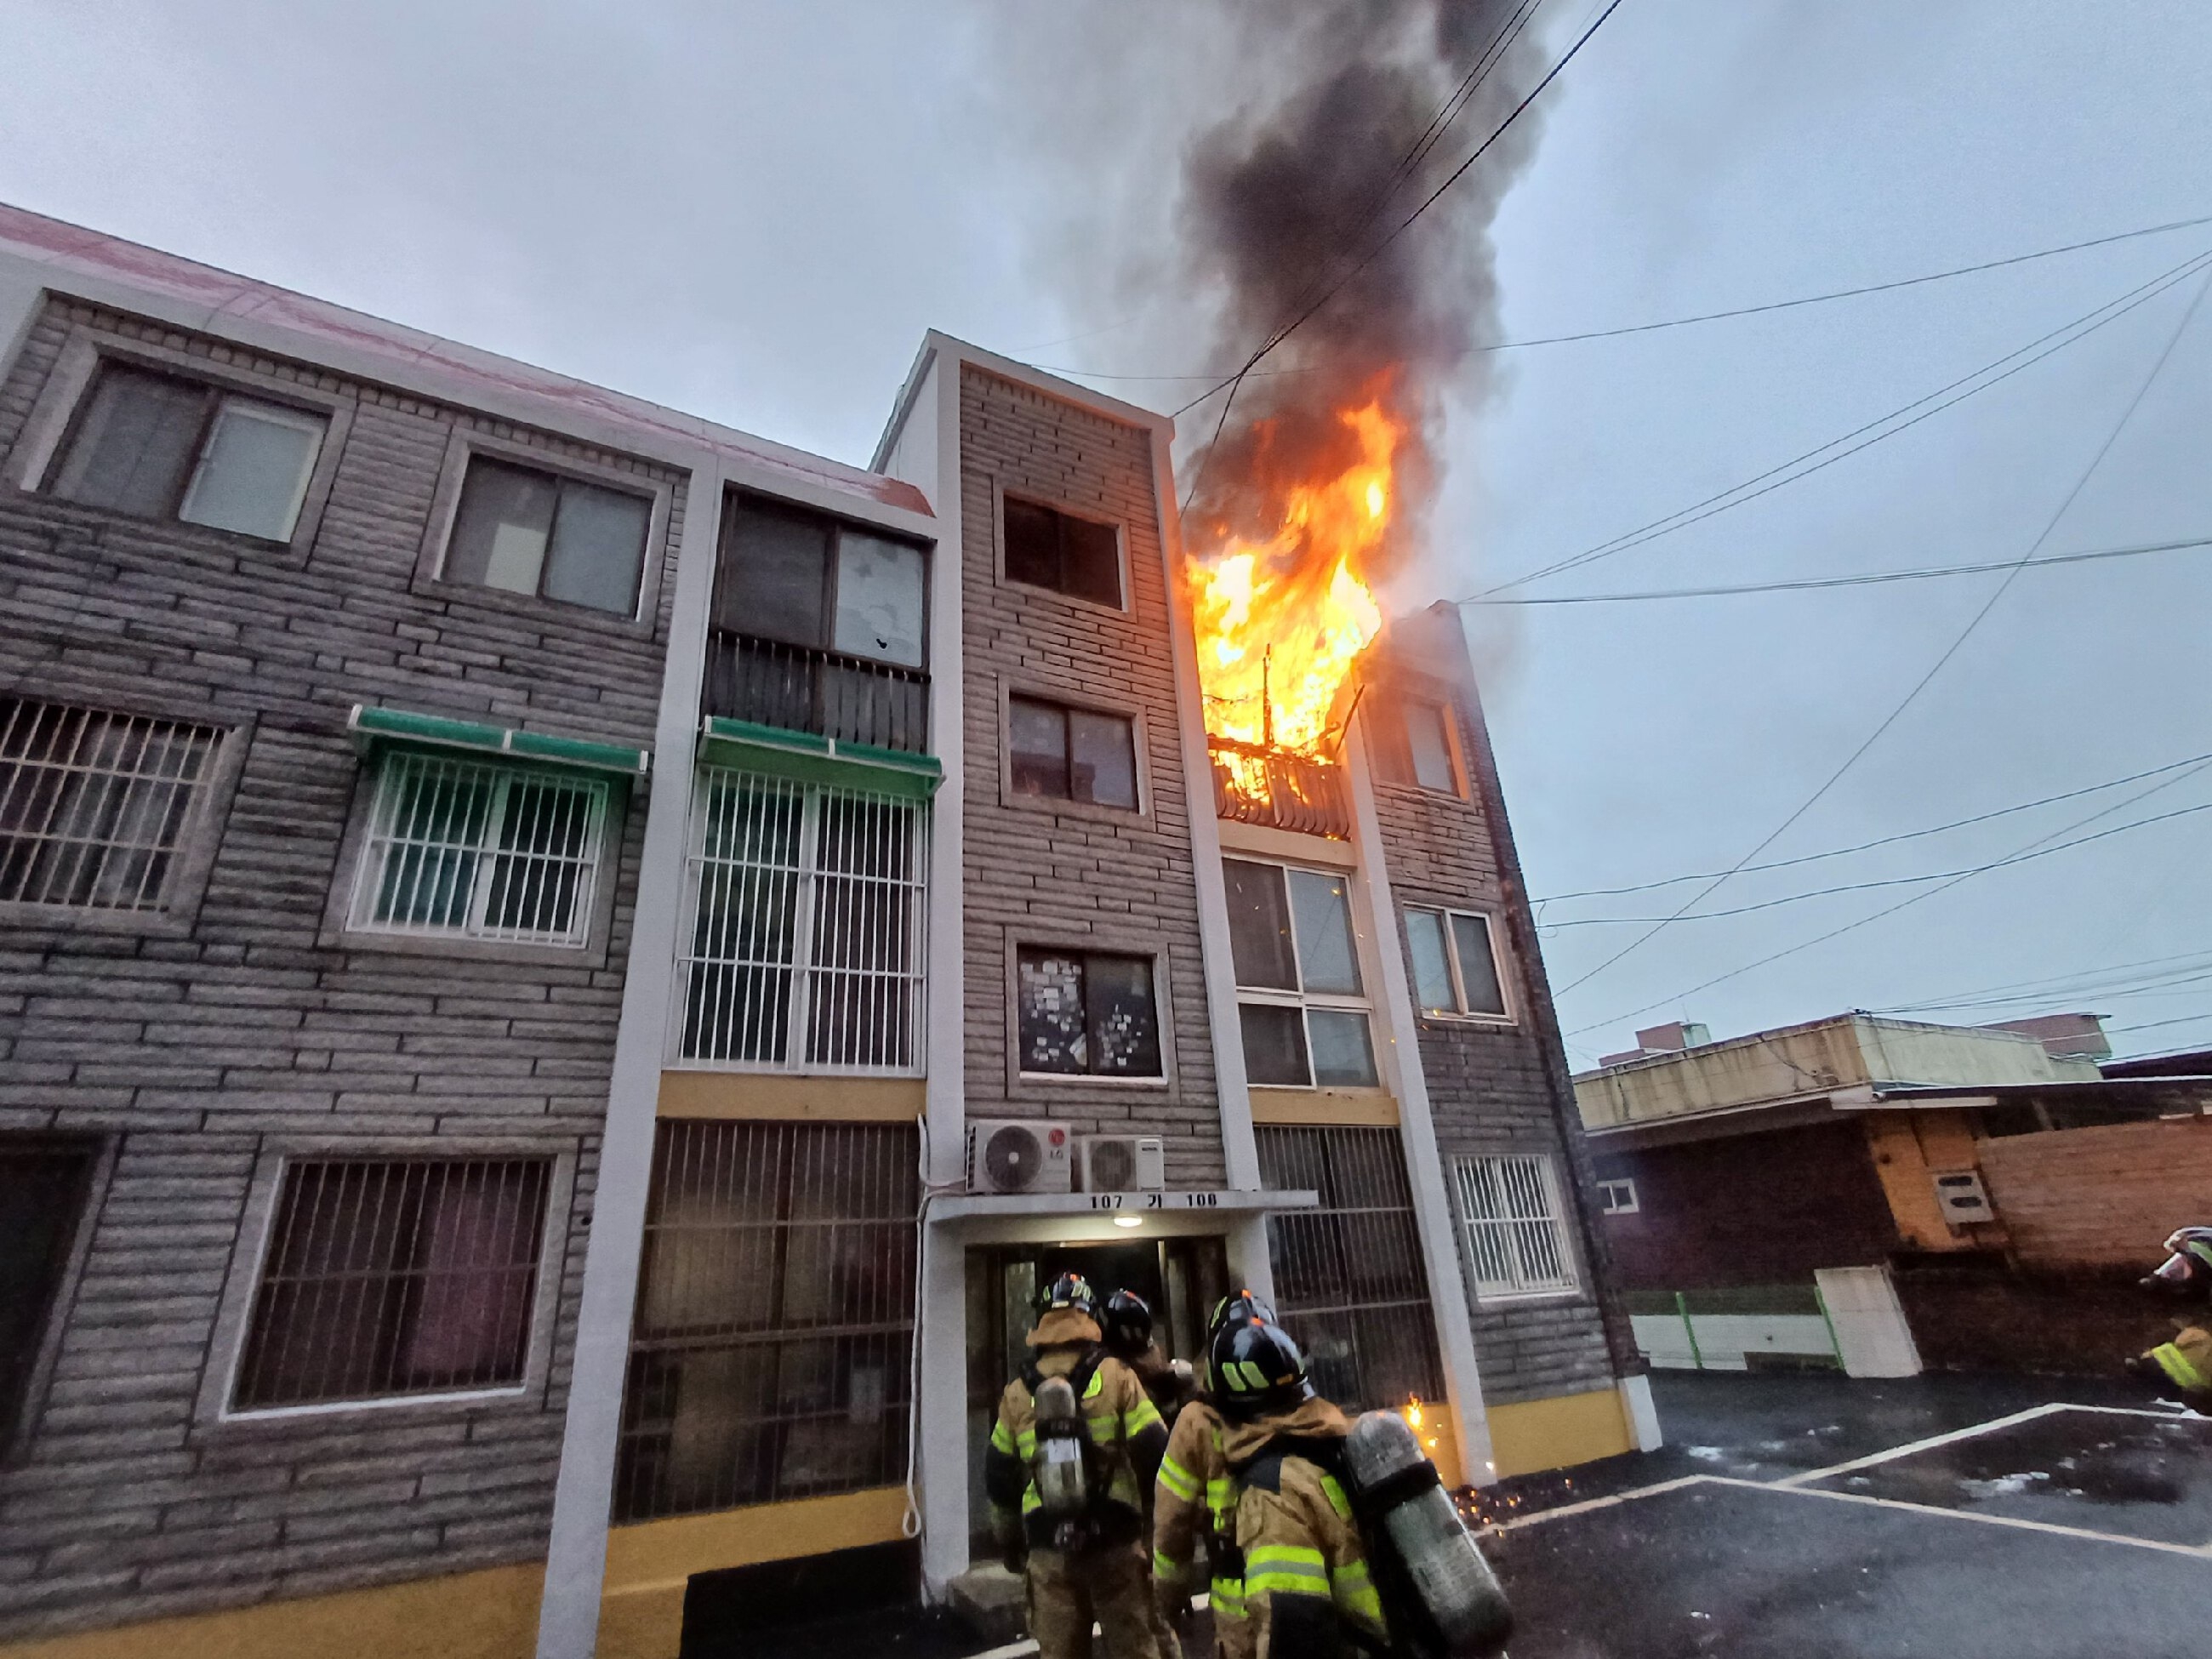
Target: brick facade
1497 1088
1087 876
197 1053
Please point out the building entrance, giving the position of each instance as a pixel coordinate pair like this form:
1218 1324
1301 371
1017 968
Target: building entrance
1181 1279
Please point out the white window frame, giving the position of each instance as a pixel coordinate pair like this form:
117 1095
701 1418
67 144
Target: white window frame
1463 1012
1530 1184
378 841
1611 1194
273 414
801 968
1361 1003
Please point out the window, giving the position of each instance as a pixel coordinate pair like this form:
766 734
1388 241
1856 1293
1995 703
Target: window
1412 740
1298 992
1510 1207
480 850
805 579
1617 1197
807 927
769 1358
1071 754
93 807
524 531
43 1184
1350 1282
1454 964
164 448
1046 548
388 1277
1086 1013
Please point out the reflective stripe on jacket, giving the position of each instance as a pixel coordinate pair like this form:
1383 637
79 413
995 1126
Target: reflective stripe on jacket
1196 1494
1305 1565
1123 1426
2187 1360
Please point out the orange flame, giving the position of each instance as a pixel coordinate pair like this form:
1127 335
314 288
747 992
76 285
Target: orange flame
1280 621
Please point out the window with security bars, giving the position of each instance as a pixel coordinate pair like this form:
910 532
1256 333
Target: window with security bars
394 1277
1516 1239
807 927
94 806
480 850
771 1355
1350 1283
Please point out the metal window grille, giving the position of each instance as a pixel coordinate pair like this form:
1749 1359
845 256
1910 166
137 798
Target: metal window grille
807 929
771 1356
396 1277
93 805
1509 1206
1349 1279
480 849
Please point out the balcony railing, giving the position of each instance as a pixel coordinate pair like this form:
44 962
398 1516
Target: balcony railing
805 689
1278 788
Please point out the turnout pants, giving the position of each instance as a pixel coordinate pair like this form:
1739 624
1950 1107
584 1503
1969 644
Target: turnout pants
1111 1583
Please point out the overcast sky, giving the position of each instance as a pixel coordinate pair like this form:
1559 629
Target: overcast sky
752 211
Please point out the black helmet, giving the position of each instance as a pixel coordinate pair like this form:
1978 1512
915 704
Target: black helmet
1069 1291
2188 1261
1255 1367
1127 1322
1237 1309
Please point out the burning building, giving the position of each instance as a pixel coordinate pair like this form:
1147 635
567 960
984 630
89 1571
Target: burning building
574 970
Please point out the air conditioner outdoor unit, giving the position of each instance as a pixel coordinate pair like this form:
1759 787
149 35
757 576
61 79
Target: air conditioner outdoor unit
1018 1156
1121 1163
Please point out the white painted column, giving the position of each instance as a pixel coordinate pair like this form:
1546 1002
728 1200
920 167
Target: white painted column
1240 1149
941 1373
577 1557
1432 1211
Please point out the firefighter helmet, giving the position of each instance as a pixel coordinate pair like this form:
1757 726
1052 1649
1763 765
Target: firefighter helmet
1255 1367
2188 1264
1127 1322
1069 1291
1238 1309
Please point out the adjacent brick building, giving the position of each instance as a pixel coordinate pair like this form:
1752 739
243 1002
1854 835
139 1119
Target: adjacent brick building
523 914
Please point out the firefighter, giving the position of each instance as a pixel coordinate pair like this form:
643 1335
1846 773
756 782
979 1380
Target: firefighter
1308 1593
1127 1322
1081 1561
1196 1496
2184 1365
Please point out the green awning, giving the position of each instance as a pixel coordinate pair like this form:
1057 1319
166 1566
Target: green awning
371 725
806 759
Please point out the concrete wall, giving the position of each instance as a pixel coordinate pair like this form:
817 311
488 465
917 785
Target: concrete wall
199 1053
1051 873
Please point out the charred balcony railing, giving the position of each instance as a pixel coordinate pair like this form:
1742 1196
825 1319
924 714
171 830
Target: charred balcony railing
806 688
1278 788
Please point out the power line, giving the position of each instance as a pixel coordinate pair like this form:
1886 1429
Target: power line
1373 254
2060 984
1937 667
1882 427
1881 840
1902 904
1685 322
1867 886
1867 579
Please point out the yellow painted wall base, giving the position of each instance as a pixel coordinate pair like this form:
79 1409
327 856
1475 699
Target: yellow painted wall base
648 1564
491 1615
1559 1432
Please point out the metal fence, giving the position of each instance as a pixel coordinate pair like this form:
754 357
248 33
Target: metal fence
480 849
1349 1280
805 688
772 1355
1255 784
396 1277
92 803
808 927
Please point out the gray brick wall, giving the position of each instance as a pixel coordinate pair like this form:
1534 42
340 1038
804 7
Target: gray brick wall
1502 1089
195 1055
1069 877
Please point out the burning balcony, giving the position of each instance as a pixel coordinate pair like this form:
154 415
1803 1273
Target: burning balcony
1282 789
813 689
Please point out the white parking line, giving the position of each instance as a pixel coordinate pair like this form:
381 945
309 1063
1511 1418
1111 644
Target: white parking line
1908 1449
1589 1503
2014 1522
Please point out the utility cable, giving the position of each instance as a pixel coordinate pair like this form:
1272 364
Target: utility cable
1958 643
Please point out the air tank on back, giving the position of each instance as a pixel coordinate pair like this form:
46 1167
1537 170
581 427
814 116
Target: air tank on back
1439 1566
